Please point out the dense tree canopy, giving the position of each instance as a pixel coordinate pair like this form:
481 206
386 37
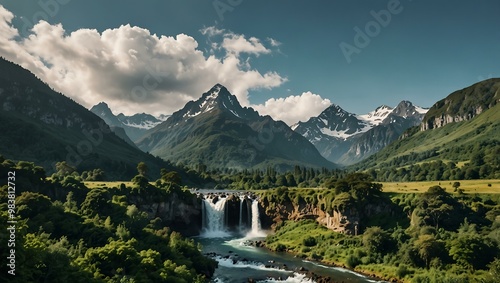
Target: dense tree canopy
69 233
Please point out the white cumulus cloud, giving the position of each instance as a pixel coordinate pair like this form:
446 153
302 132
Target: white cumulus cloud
294 108
130 68
236 44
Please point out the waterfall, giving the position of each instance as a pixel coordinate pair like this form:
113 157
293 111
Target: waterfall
255 216
249 214
256 230
240 224
214 218
203 215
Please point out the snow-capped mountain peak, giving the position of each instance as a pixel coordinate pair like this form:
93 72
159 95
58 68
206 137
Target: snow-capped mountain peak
407 109
134 125
333 122
335 130
218 97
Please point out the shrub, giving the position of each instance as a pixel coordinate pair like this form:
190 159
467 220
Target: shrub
402 271
306 249
280 248
352 261
309 242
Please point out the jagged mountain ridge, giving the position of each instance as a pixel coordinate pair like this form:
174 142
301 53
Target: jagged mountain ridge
134 126
217 131
347 138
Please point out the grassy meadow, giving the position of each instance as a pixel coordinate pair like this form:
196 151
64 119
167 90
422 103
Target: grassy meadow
101 184
469 186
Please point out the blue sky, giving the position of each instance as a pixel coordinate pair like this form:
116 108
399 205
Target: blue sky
426 50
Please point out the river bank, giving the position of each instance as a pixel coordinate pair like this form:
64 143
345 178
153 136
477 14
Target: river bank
328 264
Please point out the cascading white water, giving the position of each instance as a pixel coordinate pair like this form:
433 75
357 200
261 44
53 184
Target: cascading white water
255 216
214 217
240 224
256 230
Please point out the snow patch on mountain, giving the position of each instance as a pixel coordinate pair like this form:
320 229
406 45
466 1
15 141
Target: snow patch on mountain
144 125
421 110
375 118
334 133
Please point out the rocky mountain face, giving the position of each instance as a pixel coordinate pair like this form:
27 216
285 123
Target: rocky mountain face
217 131
347 138
134 126
463 105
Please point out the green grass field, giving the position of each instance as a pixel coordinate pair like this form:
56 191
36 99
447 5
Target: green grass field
100 184
469 186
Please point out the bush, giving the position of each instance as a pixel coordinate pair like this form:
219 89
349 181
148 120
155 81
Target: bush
309 242
280 248
306 249
402 271
352 261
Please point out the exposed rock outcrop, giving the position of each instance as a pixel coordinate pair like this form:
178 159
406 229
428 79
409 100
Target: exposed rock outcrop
463 105
181 213
444 119
348 220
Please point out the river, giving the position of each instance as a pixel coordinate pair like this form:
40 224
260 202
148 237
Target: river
239 260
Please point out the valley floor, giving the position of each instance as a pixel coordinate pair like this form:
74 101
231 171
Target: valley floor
469 186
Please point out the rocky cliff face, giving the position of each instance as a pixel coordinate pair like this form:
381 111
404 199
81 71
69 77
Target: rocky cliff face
463 105
348 220
444 119
181 213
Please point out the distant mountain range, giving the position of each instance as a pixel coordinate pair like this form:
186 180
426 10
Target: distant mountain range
458 128
135 126
45 127
217 131
346 138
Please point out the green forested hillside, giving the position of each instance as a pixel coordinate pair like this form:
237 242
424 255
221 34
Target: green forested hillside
472 145
464 103
43 126
65 232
